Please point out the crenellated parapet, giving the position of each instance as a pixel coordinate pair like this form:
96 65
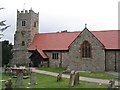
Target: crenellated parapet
26 12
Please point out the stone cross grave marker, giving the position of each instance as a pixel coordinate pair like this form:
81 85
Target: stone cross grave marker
33 79
59 77
19 80
72 78
76 77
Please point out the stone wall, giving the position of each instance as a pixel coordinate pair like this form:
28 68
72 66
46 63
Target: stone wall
96 62
118 60
112 60
21 57
61 62
65 59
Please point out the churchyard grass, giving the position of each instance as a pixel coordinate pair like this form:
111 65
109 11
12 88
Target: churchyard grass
99 75
0 79
46 81
57 70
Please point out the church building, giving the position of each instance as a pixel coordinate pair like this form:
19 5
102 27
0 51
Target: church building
85 50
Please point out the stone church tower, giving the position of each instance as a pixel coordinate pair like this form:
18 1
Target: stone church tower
27 27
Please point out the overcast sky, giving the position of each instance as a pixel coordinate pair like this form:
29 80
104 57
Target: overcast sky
59 15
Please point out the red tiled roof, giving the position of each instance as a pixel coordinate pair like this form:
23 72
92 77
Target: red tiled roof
42 53
53 41
62 41
110 39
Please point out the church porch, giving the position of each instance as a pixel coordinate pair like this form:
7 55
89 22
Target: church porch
39 59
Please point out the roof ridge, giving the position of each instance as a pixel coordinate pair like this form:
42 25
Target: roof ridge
76 32
105 30
58 32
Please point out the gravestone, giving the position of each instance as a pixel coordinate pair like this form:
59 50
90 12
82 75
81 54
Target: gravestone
76 77
19 80
111 85
33 79
8 85
72 78
5 68
59 77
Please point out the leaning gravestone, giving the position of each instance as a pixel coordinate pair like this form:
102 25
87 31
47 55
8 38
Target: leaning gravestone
72 78
111 85
76 77
33 79
19 80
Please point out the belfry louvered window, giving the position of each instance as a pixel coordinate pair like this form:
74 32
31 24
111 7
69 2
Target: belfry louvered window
23 23
86 50
23 43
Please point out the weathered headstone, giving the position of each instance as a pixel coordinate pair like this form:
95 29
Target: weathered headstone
59 77
76 77
29 71
8 85
33 79
19 80
72 78
4 68
111 85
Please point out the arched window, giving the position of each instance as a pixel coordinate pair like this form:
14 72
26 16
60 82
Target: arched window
86 50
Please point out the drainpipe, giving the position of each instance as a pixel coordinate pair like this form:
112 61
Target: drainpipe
105 61
115 62
61 59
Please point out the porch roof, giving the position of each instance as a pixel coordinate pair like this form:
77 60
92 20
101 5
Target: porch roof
42 53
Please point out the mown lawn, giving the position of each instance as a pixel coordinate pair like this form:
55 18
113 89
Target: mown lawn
46 81
57 70
99 75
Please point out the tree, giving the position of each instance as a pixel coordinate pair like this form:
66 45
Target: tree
3 26
5 47
6 52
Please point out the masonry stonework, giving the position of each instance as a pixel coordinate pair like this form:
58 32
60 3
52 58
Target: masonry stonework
27 27
53 62
96 62
61 62
65 59
112 60
118 60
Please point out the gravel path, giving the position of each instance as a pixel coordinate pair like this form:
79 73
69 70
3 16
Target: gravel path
100 81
